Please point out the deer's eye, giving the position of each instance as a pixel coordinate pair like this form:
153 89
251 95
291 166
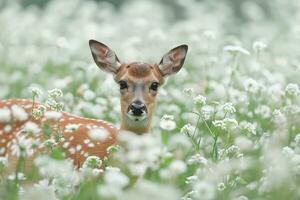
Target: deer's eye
154 86
123 85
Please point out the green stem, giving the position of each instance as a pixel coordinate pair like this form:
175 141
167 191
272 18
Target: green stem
196 128
194 143
205 122
215 149
33 102
164 137
210 131
18 168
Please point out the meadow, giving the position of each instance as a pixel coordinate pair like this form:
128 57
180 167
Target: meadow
227 126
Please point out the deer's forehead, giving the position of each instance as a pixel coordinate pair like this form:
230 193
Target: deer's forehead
139 71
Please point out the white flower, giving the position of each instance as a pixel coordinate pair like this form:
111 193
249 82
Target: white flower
288 151
279 117
189 92
221 186
249 127
167 123
53 104
292 89
199 100
92 162
251 85
197 159
242 198
264 111
89 95
167 117
36 92
236 49
187 129
226 124
177 167
138 169
179 140
54 93
61 170
229 108
243 143
50 143
297 139
45 187
203 190
31 127
191 179
39 111
115 178
109 192
97 171
3 162
259 46
5 115
40 189
98 134
207 112
23 146
209 34
20 176
233 150
19 114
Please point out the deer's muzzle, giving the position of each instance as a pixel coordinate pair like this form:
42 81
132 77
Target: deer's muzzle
137 109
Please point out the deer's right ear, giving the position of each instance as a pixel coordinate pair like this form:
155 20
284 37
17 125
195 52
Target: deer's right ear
104 57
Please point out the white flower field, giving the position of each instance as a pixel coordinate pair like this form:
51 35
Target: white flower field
226 126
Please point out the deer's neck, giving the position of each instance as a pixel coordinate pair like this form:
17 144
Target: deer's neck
138 127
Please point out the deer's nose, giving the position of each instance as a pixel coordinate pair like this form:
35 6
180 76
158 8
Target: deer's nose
137 108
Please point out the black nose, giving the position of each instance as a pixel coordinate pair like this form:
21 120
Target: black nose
137 108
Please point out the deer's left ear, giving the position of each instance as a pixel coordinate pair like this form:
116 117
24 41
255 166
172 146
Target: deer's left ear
104 57
172 62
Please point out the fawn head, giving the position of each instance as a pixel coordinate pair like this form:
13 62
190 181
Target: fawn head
139 82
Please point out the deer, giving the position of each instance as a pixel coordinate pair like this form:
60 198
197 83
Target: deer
82 137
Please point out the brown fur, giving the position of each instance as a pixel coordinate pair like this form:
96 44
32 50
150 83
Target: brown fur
79 135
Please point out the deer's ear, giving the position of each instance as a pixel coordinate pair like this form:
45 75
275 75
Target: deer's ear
104 57
172 62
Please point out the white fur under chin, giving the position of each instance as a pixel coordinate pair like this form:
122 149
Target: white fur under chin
137 122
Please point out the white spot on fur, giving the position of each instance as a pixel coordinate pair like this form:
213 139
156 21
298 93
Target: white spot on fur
98 134
72 150
5 115
19 114
71 127
7 128
2 150
78 147
31 127
66 144
53 115
91 145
